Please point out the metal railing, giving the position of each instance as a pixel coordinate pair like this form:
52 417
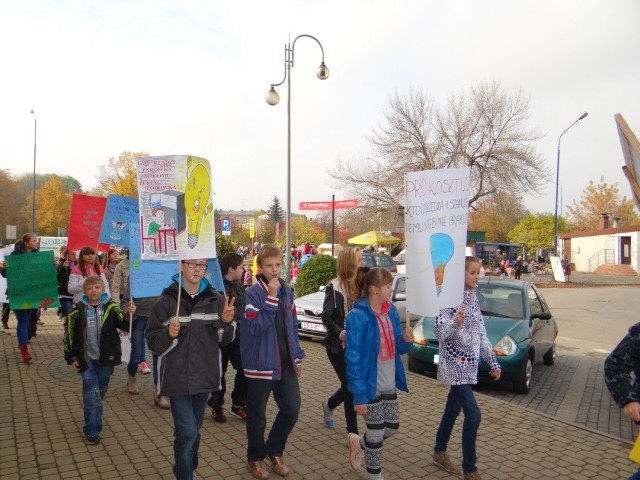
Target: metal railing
604 256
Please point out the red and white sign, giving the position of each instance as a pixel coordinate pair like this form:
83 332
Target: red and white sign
337 205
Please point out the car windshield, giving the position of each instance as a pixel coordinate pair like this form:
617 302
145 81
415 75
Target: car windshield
500 301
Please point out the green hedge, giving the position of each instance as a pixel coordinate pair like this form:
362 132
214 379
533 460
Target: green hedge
317 271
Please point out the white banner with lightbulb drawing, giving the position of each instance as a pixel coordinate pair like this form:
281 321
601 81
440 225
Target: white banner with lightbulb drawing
176 208
436 216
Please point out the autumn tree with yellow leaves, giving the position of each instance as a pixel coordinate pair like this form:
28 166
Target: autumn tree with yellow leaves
53 207
118 176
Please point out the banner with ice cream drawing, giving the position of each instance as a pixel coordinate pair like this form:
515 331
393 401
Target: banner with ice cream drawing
436 214
176 208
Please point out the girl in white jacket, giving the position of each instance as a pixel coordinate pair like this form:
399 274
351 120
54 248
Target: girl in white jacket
87 266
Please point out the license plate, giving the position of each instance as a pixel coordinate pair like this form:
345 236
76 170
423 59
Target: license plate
313 326
436 359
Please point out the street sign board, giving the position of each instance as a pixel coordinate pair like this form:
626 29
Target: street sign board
337 205
226 226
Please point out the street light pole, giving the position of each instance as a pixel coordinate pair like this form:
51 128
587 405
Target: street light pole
555 215
322 72
33 194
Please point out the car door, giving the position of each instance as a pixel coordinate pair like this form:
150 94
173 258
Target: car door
542 332
399 299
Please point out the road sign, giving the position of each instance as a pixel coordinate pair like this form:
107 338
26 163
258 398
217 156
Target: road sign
337 205
252 227
226 226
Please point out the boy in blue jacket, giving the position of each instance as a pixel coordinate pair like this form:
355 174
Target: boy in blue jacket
272 361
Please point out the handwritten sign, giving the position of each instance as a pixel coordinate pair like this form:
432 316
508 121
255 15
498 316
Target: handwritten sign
85 222
176 207
31 281
436 217
119 214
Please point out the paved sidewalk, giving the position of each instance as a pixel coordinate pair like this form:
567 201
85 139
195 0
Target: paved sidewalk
41 430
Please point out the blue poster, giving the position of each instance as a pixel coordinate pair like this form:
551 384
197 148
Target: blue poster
119 215
149 277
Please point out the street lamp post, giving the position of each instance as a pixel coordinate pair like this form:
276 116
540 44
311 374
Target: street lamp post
555 215
273 98
33 194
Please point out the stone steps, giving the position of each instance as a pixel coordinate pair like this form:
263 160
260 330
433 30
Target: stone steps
616 269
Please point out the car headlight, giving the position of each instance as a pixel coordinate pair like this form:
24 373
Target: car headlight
418 334
299 310
505 346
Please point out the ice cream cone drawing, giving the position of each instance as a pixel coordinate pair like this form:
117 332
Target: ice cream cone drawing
441 253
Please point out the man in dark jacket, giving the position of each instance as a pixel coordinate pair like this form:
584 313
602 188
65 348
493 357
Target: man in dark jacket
186 328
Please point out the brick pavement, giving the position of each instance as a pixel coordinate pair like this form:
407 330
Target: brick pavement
41 430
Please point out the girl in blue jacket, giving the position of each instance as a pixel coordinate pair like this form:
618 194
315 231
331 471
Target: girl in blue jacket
374 342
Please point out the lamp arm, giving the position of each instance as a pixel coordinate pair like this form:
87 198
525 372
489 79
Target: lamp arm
288 55
293 46
286 60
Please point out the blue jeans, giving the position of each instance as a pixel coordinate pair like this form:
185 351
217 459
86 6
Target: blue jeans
286 393
188 412
635 476
95 381
22 328
137 345
66 305
460 398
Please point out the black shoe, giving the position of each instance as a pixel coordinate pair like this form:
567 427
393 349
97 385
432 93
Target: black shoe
239 412
218 416
93 440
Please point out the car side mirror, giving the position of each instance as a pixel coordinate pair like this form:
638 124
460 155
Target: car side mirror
541 315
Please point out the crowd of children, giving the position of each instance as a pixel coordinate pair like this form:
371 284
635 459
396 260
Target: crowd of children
253 326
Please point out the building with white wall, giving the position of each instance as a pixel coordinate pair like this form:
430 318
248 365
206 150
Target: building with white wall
612 250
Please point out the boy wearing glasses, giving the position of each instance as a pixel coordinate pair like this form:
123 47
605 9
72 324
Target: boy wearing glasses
186 345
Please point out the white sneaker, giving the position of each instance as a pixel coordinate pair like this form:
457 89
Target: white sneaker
144 368
355 451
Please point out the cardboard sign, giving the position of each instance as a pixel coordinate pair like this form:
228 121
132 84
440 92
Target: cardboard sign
176 208
436 215
85 222
31 281
119 214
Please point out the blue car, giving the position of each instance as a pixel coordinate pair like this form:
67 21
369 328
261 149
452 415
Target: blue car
519 326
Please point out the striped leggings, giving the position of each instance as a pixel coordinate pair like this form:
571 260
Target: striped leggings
383 420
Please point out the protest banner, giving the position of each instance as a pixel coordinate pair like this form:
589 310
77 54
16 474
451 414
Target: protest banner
119 214
85 222
31 281
149 277
436 215
176 208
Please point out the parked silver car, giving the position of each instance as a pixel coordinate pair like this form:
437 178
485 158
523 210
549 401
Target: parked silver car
309 308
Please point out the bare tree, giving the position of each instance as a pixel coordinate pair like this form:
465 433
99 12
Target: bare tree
484 129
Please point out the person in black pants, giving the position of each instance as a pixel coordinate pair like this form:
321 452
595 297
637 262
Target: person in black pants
340 294
232 270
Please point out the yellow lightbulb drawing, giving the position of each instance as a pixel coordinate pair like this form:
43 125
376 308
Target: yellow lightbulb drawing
441 253
196 201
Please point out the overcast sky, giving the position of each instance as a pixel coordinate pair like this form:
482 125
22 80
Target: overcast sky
190 77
